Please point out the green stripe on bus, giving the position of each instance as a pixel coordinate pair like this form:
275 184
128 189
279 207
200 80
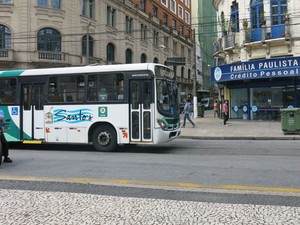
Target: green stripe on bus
11 73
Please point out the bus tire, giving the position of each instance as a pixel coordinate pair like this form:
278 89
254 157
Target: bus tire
105 138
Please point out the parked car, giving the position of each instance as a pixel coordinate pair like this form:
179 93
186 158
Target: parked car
208 103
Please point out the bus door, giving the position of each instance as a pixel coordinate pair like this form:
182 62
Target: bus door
140 110
32 111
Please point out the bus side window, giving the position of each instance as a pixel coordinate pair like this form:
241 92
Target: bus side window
8 90
105 87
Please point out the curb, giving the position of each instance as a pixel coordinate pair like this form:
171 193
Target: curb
238 138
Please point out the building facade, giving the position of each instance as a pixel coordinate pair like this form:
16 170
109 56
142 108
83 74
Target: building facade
207 32
257 56
59 33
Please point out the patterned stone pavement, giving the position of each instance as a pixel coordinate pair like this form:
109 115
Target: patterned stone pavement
43 207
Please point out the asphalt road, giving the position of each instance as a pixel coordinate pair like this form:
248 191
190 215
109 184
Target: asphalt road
273 164
181 182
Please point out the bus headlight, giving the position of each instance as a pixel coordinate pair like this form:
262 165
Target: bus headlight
162 124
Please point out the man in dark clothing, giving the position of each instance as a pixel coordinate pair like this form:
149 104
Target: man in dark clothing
3 140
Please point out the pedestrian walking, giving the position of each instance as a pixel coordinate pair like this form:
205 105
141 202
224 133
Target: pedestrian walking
216 109
3 140
225 112
187 112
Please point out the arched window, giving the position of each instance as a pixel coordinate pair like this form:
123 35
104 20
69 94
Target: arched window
182 72
49 39
155 60
257 19
235 17
189 74
223 27
143 58
110 52
278 15
5 37
128 56
91 46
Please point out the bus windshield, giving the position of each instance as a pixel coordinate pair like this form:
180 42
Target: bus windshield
167 98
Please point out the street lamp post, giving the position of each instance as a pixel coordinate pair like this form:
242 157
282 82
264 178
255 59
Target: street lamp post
195 78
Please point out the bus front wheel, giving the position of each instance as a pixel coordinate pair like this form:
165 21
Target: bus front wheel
105 138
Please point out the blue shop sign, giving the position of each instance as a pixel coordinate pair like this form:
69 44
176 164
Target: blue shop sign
259 69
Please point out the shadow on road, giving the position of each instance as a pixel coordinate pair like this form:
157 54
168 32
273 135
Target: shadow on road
155 149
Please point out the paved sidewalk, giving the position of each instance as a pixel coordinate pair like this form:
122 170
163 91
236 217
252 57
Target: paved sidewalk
208 127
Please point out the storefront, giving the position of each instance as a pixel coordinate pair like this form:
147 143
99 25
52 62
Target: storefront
257 90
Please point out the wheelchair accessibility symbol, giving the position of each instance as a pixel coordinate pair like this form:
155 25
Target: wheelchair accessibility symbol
14 111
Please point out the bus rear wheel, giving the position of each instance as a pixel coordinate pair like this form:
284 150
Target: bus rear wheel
105 138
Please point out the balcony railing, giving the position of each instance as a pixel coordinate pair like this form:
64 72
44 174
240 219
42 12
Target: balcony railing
51 57
58 56
230 40
7 55
184 80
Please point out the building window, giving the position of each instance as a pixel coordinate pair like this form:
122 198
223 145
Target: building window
49 39
143 58
110 52
91 8
84 46
166 41
189 74
143 5
42 3
83 10
165 19
182 72
257 19
187 17
128 56
155 60
278 11
5 1
111 16
174 24
143 32
155 11
182 50
5 37
181 29
174 47
164 2
173 6
56 4
155 38
234 17
180 12
128 25
88 8
257 13
187 3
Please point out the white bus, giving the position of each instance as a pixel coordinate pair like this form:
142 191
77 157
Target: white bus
105 105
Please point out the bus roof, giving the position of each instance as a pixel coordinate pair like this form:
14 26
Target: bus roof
81 69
